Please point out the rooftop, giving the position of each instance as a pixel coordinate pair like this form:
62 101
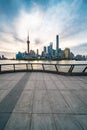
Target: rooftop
43 101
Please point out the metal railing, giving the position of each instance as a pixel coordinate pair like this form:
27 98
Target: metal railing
68 69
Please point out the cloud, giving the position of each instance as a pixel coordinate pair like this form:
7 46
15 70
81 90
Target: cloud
73 22
9 8
80 49
7 31
43 20
7 54
18 39
37 41
9 41
64 18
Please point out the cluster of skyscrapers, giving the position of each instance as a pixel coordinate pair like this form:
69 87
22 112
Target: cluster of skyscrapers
50 53
47 53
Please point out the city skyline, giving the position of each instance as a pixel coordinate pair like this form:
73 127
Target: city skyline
48 53
43 20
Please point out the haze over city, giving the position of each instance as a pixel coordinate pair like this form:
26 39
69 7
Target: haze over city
43 20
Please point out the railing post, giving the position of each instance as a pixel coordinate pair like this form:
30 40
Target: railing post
26 66
85 69
31 66
0 68
71 69
14 67
56 68
43 67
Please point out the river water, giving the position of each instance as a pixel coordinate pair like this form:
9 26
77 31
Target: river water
43 61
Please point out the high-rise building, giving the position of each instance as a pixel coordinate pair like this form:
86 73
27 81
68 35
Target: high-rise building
44 49
51 45
32 53
37 52
28 42
67 53
50 49
57 42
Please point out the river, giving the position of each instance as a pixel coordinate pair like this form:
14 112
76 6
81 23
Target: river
43 61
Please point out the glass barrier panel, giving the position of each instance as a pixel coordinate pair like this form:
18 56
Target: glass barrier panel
79 69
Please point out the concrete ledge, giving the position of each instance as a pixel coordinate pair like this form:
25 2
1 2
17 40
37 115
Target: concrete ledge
48 71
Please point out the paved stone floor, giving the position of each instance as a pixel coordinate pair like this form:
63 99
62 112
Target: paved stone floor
42 101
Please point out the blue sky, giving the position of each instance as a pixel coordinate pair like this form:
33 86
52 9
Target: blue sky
44 19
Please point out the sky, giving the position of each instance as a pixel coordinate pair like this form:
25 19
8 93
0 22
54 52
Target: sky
43 19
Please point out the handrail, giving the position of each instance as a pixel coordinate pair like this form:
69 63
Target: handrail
57 68
45 64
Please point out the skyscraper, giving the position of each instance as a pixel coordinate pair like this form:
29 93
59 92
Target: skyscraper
51 48
37 52
44 49
28 42
57 42
51 45
67 53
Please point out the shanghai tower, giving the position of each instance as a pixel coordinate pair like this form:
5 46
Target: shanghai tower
57 42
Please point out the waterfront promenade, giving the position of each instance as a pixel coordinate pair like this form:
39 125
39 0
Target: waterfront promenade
43 101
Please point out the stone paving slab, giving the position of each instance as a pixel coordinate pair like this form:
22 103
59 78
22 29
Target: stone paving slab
40 85
43 101
18 121
67 122
25 102
42 122
76 105
57 102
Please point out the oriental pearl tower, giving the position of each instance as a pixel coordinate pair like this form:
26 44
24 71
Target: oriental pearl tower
28 42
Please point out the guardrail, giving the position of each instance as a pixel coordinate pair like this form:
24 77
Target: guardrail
68 69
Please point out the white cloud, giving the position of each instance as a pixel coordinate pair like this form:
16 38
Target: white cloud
61 19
